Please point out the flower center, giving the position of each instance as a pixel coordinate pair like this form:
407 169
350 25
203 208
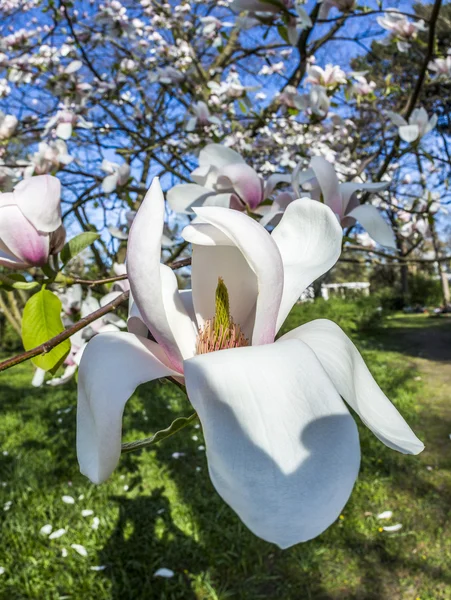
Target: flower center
220 332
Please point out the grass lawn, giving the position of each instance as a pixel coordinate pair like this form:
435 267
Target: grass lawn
159 509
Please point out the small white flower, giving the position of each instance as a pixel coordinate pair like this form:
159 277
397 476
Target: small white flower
164 573
201 448
177 455
98 568
396 527
57 534
95 523
7 505
64 552
46 529
126 488
87 512
68 499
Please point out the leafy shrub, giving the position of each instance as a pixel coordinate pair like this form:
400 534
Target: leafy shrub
352 315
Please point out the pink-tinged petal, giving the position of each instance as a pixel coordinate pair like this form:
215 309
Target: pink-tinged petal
282 449
309 240
239 234
328 182
372 221
7 259
111 368
160 306
244 181
347 370
39 200
273 181
21 238
135 321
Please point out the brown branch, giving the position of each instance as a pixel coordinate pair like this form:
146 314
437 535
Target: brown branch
64 335
398 258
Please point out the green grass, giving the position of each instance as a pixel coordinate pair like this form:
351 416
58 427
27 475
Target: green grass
159 511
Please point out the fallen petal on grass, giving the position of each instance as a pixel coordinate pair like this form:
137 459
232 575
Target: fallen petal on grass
46 529
387 514
392 528
80 549
57 534
87 512
68 499
164 573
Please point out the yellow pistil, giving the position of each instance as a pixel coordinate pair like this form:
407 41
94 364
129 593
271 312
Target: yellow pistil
220 333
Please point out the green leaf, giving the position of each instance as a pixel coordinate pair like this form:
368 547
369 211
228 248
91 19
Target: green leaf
77 245
42 321
175 426
283 33
16 281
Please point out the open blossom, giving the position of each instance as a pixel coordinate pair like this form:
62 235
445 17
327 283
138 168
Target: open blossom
271 69
341 5
322 183
65 120
222 179
401 29
419 124
282 448
8 124
442 66
316 102
201 117
361 86
231 87
329 77
117 175
48 157
30 223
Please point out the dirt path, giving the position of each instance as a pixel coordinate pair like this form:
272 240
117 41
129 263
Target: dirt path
427 344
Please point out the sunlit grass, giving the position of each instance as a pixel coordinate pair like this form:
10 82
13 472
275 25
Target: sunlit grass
159 511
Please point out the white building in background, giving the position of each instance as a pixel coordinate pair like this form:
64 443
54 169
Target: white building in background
340 289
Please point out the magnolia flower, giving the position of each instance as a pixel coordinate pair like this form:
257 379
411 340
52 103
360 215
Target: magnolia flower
65 120
329 77
341 5
282 448
361 86
30 223
316 102
291 97
323 184
271 69
201 117
419 124
231 87
8 124
117 175
222 179
402 30
48 157
442 66
166 75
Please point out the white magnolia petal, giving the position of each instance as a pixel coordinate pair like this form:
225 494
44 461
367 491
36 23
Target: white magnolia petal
349 188
64 130
135 321
39 200
38 377
309 239
396 119
181 198
112 366
261 254
372 221
409 133
282 449
350 375
109 183
216 155
328 182
69 372
146 276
